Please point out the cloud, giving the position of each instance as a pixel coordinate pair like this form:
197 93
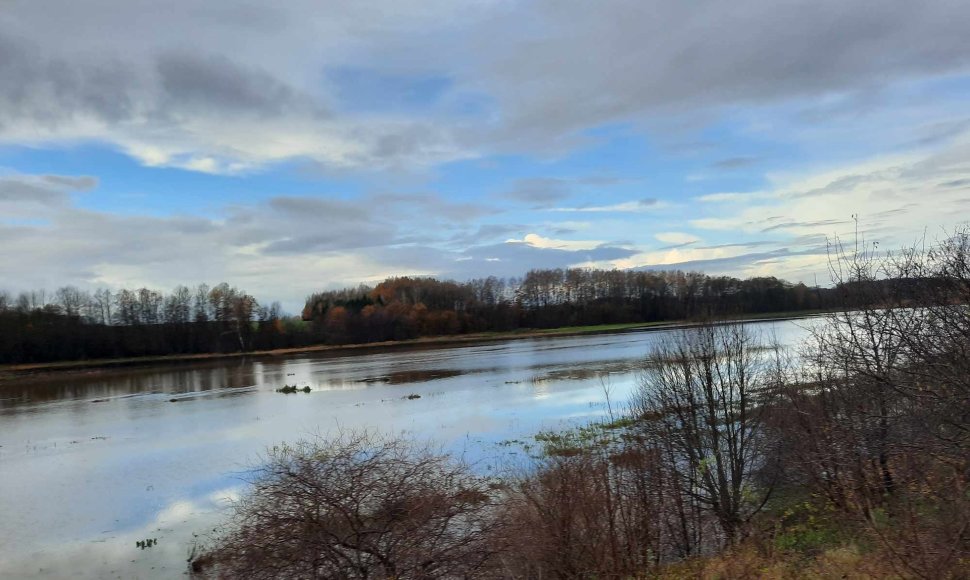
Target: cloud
627 206
71 182
288 246
732 163
484 233
218 86
201 111
755 244
229 88
21 196
555 77
430 205
894 198
308 207
542 192
514 258
282 248
25 192
749 264
958 183
801 225
679 238
507 259
366 91
888 193
725 197
539 190
537 241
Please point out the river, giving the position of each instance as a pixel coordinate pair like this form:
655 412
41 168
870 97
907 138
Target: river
93 461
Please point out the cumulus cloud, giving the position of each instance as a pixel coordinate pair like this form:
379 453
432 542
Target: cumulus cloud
289 246
197 108
537 241
785 229
33 196
229 87
216 85
283 248
628 60
887 193
894 199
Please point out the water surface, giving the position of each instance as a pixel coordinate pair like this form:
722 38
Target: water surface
91 462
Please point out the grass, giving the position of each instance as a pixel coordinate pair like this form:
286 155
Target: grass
797 536
751 561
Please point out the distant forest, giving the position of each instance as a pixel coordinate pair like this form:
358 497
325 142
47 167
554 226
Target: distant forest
401 308
71 324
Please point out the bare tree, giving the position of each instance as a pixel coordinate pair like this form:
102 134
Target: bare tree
103 301
938 373
588 512
71 300
878 422
178 306
126 308
201 304
705 401
357 506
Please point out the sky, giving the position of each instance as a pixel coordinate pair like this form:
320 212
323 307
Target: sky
289 147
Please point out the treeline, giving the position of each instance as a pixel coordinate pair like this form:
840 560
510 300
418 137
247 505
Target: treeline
401 308
849 458
71 324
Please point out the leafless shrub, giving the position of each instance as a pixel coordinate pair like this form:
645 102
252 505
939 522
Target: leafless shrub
590 513
358 506
705 407
878 423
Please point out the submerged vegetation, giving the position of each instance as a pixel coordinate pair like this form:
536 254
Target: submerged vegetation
849 459
290 389
148 543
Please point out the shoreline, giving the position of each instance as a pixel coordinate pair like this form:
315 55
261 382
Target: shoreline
17 371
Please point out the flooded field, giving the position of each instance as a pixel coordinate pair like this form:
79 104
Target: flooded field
93 462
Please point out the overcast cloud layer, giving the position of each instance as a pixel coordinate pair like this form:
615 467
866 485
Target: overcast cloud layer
294 146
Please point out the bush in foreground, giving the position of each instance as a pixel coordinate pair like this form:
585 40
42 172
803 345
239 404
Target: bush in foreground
358 506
